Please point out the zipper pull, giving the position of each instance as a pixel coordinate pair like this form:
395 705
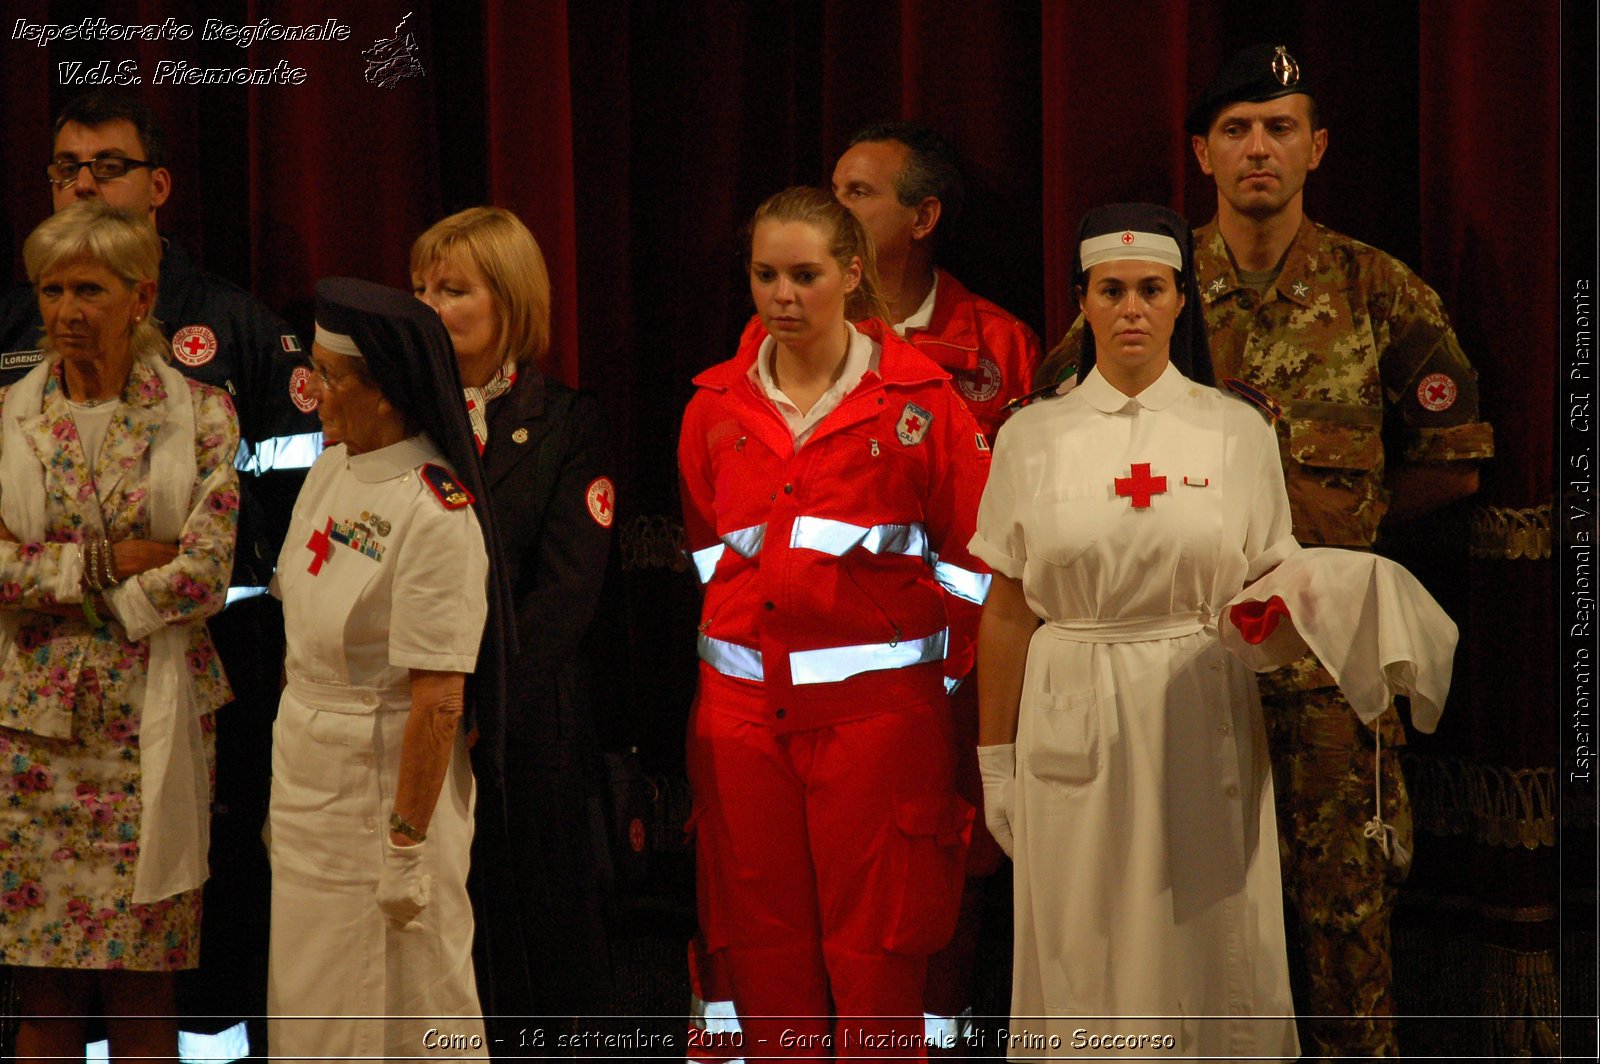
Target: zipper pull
874 443
738 444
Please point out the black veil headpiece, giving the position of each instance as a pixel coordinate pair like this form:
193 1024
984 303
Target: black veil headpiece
408 352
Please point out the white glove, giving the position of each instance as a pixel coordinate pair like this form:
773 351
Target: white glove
997 765
403 887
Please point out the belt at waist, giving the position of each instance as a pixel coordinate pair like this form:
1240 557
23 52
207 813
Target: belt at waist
1129 629
345 698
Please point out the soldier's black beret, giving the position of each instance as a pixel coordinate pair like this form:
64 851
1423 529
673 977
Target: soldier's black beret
1255 74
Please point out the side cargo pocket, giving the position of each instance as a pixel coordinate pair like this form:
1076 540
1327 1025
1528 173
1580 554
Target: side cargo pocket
932 833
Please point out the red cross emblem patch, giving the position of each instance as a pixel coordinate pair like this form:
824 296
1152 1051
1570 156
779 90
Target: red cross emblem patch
602 500
1127 238
1141 486
321 547
913 425
194 345
1437 392
300 390
982 384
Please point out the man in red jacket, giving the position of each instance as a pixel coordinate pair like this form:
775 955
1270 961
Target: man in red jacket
902 180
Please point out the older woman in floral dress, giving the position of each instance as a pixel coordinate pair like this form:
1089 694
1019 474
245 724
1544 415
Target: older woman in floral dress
119 503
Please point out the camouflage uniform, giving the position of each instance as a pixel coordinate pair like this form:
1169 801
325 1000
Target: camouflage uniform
1356 352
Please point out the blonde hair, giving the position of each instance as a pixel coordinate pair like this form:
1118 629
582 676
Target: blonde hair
497 242
846 238
123 242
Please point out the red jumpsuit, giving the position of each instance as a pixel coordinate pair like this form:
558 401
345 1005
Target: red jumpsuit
840 595
991 356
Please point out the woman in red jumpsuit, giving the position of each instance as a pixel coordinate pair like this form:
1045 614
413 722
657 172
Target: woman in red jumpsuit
830 479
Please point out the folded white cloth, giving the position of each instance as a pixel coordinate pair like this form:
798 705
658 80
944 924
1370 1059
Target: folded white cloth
1368 620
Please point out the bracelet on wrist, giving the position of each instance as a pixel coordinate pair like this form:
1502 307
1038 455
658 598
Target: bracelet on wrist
108 562
91 571
401 826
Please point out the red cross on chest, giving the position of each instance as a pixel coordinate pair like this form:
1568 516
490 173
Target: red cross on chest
194 345
913 423
1141 486
321 548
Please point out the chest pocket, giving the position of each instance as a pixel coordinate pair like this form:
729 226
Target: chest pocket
1069 520
865 465
1335 475
740 465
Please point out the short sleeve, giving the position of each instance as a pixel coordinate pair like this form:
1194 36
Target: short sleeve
999 541
440 591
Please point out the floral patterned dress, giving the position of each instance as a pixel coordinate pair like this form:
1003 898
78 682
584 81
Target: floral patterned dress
71 693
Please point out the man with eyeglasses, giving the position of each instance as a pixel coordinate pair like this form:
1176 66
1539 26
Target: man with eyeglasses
109 146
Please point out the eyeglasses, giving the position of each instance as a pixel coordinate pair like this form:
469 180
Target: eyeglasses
329 381
63 172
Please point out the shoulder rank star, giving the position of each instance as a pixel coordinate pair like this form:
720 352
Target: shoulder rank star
444 485
1301 289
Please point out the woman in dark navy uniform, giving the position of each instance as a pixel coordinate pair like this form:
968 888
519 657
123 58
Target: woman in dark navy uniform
547 473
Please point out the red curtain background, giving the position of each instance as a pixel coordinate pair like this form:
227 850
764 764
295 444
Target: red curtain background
636 139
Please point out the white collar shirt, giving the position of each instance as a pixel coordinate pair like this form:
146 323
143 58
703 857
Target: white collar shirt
1160 394
860 356
923 317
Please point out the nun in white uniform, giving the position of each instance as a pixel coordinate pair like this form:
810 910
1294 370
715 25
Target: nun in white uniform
383 578
1124 758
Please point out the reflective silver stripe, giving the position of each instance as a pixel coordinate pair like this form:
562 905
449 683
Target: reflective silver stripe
282 452
731 659
839 538
714 1017
237 593
717 1017
946 1032
705 561
832 664
962 583
746 542
950 685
